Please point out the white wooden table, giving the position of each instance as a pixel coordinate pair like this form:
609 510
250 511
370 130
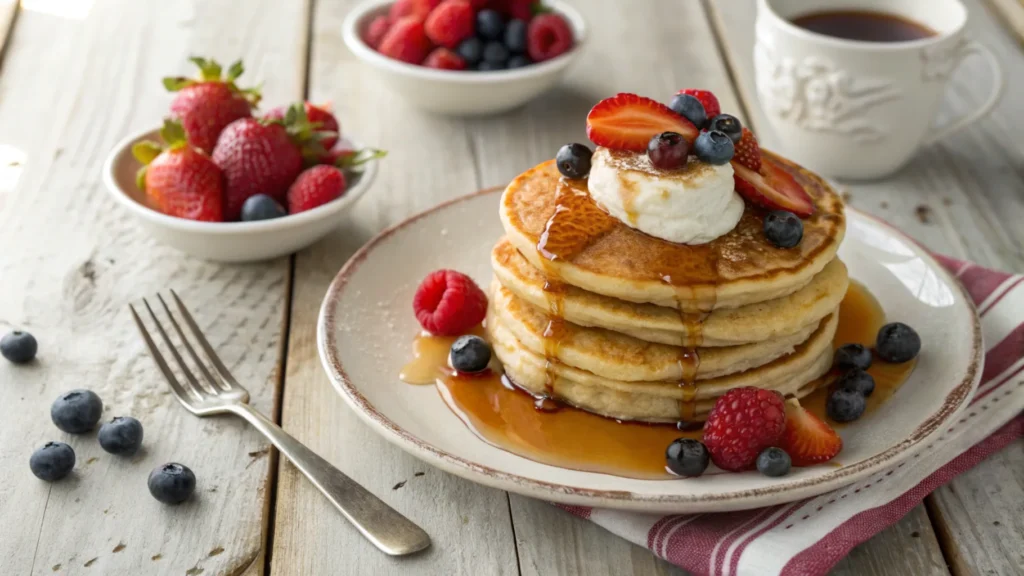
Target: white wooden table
77 75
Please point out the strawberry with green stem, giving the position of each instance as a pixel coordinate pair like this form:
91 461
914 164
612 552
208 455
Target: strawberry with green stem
207 104
178 178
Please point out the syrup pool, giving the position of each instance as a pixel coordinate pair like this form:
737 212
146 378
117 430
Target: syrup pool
544 431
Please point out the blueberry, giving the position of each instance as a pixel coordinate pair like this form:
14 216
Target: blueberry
470 354
857 380
490 25
172 483
783 229
773 462
686 457
122 435
897 343
714 147
668 151
496 53
19 347
691 108
261 207
515 36
53 461
471 50
573 160
728 124
845 405
853 356
77 411
485 66
519 61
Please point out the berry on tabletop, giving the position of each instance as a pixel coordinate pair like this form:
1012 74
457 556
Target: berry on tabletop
171 483
18 347
53 461
122 435
77 412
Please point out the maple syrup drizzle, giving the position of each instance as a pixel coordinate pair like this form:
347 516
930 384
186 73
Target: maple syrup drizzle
430 358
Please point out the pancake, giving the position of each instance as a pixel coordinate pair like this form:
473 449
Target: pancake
793 374
562 232
723 327
620 357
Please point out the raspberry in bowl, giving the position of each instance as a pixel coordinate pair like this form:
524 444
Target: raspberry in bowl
462 57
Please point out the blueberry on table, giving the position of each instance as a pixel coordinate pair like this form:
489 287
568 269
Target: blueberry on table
122 435
77 411
490 25
496 53
687 457
845 405
261 207
470 354
853 356
774 462
857 380
519 61
18 347
897 343
727 124
783 229
53 461
172 483
573 160
714 147
515 36
668 151
471 50
691 108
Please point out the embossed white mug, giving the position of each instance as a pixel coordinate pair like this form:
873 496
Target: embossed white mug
857 109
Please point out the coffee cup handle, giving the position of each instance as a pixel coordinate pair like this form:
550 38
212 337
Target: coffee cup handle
998 85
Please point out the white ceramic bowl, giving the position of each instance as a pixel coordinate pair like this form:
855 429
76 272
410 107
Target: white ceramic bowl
225 241
461 93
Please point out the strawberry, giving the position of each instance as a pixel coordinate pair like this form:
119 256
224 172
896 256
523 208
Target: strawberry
748 152
315 187
179 179
444 59
206 105
772 188
709 100
450 23
807 439
548 36
319 116
628 122
743 422
449 303
375 32
406 41
417 9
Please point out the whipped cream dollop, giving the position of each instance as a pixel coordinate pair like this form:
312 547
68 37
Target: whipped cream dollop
692 205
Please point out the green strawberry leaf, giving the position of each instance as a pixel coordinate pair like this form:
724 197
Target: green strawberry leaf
146 151
209 70
140 178
176 83
235 71
173 134
539 8
361 157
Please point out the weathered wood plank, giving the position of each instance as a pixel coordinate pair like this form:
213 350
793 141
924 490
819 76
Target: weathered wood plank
913 550
71 88
469 524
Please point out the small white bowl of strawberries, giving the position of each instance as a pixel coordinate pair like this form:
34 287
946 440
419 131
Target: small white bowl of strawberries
222 183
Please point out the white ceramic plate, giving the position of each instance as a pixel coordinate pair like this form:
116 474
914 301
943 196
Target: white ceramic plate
366 328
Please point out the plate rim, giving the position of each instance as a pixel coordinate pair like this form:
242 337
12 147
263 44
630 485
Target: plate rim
624 499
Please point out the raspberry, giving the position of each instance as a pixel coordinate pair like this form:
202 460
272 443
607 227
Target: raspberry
406 41
709 100
548 36
449 303
375 32
450 23
444 59
418 9
743 422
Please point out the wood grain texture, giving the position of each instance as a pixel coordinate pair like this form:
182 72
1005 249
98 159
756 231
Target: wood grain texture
907 547
1011 13
70 89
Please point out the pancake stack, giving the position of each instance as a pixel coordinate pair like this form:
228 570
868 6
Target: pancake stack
586 310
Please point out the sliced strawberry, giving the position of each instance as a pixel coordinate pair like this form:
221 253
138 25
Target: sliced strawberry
748 152
807 439
772 188
709 100
628 122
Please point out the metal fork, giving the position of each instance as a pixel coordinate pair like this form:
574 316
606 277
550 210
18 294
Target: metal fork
388 530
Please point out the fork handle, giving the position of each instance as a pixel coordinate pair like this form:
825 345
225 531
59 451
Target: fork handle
388 530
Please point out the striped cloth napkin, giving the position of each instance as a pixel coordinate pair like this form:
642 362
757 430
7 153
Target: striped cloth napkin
810 536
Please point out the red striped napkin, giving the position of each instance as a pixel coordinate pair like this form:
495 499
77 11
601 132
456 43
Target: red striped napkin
810 536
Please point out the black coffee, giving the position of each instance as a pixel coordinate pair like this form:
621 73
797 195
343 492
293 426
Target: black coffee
863 25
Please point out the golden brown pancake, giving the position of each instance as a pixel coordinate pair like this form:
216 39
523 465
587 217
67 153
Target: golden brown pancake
562 232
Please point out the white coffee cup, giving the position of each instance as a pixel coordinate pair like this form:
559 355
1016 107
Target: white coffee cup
857 109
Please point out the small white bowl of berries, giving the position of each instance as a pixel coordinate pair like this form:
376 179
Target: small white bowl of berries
222 182
466 57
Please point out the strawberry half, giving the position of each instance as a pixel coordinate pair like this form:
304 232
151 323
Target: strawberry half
628 122
773 188
807 439
748 151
